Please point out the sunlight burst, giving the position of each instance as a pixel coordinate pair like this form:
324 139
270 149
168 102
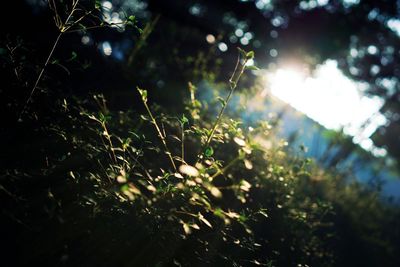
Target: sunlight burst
331 99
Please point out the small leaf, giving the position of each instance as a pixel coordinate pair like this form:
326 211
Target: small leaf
143 94
250 55
97 5
215 192
219 213
252 68
204 220
184 119
187 229
195 226
73 55
222 101
121 179
209 151
72 175
239 141
263 213
178 175
143 117
151 188
188 170
131 18
248 164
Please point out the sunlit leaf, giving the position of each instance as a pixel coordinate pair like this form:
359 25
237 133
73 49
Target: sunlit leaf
209 151
219 213
121 179
263 213
239 141
252 67
72 175
188 170
195 226
248 164
151 188
245 186
204 220
178 175
143 94
250 55
186 229
215 192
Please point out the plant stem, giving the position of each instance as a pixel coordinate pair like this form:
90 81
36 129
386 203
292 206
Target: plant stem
183 142
40 75
142 39
167 151
239 68
108 137
221 171
62 29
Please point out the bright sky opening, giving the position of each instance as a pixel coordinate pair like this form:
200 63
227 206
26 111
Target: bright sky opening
331 99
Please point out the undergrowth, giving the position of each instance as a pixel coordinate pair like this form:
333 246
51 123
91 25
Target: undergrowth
86 185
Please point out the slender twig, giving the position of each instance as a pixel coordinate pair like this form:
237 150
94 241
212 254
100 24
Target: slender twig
78 20
222 171
237 73
108 137
63 27
97 26
162 137
142 39
183 142
40 75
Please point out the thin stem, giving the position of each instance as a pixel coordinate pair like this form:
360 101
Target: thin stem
221 171
78 20
216 123
183 142
239 68
39 78
142 38
40 75
64 28
153 120
96 27
108 137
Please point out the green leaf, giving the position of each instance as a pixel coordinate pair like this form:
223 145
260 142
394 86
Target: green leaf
97 5
132 18
252 67
222 101
143 94
143 117
219 213
209 151
250 55
184 119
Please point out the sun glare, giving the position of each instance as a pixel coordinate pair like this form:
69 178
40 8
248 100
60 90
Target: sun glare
331 99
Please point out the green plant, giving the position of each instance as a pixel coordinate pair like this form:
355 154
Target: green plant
87 183
75 15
